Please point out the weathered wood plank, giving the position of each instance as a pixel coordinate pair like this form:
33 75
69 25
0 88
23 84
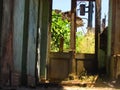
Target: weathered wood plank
117 28
1 12
59 68
18 33
84 57
115 39
32 38
49 38
110 24
6 41
15 79
25 44
44 23
97 31
73 37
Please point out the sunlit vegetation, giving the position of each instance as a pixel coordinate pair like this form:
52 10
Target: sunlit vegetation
85 43
60 29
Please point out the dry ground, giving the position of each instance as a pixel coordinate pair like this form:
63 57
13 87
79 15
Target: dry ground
100 84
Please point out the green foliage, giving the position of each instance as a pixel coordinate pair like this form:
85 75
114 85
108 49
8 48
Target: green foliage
85 43
79 40
60 28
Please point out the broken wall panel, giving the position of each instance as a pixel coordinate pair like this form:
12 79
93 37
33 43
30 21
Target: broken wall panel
6 42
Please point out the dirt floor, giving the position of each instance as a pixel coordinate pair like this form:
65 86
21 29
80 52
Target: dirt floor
101 83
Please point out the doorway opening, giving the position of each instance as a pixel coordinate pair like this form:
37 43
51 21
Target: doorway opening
87 39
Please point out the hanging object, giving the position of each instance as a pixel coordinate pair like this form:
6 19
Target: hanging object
82 9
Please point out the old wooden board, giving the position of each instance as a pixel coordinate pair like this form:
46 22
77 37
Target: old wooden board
18 33
6 41
117 28
59 65
44 22
1 10
115 39
97 31
25 44
32 38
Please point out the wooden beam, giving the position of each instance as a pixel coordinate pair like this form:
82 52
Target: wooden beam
111 38
73 35
44 23
97 31
49 38
73 25
115 40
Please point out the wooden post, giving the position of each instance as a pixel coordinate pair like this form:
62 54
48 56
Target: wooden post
110 26
115 40
61 44
49 38
73 35
97 31
44 27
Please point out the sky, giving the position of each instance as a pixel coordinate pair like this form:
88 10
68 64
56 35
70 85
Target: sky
65 5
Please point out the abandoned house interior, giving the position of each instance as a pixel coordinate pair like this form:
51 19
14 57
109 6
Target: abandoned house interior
26 57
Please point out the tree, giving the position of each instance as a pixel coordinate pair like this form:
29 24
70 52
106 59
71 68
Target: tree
60 29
